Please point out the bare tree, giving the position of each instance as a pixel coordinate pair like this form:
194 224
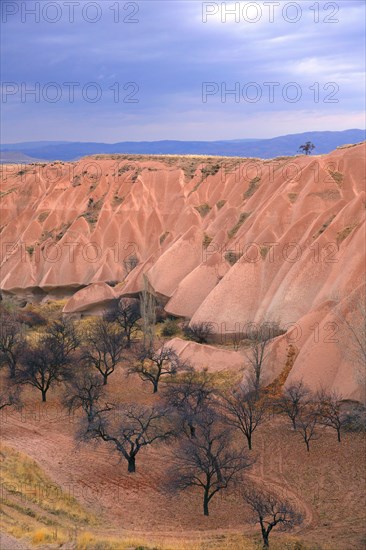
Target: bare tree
258 353
9 396
306 426
271 511
148 314
11 340
130 263
330 411
244 410
48 362
126 313
198 332
208 461
41 368
86 392
104 347
62 337
293 400
131 428
189 395
153 364
307 148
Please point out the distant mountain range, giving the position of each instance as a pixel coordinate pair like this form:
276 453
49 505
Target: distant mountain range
288 145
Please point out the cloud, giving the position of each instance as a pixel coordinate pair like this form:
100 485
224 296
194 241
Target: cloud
169 53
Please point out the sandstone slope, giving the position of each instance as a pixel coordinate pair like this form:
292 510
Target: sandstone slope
230 241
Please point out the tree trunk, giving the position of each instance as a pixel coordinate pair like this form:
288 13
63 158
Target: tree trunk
192 431
339 435
12 371
155 383
249 438
105 379
128 340
265 536
205 504
44 396
131 465
307 446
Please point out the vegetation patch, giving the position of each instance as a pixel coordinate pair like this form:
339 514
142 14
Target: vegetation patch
324 227
62 230
220 204
264 251
232 257
43 216
338 177
32 504
206 241
92 213
203 209
170 328
253 186
163 237
342 235
233 231
292 197
118 200
210 170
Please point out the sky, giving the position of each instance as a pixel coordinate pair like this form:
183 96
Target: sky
114 71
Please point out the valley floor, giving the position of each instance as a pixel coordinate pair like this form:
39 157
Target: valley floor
328 484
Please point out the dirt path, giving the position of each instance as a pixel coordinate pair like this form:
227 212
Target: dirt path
10 543
273 478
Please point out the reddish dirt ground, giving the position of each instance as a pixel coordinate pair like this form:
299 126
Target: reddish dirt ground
328 483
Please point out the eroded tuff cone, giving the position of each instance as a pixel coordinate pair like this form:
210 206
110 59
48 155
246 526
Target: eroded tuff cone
227 241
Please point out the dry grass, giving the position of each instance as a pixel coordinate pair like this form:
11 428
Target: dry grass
232 257
233 231
203 209
253 186
92 213
43 216
323 227
22 478
163 237
206 241
292 197
344 233
338 177
264 251
32 505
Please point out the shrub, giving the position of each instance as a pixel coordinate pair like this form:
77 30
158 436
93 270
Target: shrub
198 332
170 328
31 318
160 314
355 418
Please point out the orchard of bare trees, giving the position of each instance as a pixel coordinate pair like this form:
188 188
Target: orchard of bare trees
211 430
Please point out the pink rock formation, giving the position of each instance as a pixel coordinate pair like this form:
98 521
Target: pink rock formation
229 241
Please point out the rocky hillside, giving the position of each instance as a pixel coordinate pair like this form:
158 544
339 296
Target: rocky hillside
224 240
